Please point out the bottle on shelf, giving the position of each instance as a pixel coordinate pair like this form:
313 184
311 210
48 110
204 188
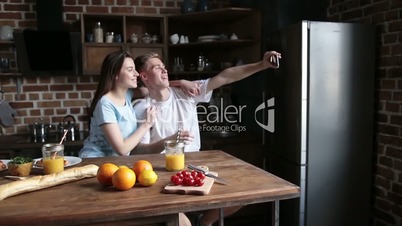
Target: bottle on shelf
98 32
201 63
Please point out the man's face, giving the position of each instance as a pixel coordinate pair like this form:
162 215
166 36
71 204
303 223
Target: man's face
155 75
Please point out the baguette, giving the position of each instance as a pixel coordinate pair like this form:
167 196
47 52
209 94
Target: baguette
41 182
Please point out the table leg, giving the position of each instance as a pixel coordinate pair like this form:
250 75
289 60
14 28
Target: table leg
275 213
174 220
221 217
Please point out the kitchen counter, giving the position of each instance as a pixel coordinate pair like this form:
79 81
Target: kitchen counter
232 143
26 144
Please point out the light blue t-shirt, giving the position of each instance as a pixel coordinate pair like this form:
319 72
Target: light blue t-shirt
96 144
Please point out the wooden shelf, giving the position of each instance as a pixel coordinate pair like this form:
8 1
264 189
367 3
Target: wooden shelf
190 73
10 75
7 42
218 43
215 16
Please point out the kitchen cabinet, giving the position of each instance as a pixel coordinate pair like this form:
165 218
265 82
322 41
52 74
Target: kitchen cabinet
124 25
223 37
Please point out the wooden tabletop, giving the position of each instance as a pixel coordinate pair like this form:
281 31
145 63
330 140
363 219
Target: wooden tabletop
86 202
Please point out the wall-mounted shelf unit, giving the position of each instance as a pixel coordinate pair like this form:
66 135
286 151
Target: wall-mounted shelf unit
125 25
228 21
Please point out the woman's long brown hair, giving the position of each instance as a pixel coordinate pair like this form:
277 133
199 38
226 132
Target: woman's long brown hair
111 67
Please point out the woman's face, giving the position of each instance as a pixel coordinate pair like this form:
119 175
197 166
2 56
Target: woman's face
127 78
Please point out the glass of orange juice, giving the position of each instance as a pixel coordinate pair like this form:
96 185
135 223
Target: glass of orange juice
53 158
174 155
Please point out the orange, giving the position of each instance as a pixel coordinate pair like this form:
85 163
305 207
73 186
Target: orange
147 178
123 179
105 173
140 166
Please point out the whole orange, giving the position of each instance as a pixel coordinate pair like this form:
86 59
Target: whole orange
123 179
105 173
140 166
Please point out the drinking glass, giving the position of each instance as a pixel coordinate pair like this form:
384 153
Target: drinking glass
174 155
53 158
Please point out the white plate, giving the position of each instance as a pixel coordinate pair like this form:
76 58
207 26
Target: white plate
5 161
209 37
71 161
207 40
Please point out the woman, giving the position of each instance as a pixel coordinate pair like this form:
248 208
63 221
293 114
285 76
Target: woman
113 128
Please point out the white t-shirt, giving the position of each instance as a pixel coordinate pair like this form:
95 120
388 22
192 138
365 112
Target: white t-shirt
179 109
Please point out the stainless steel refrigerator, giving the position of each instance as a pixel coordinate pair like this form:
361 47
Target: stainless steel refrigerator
318 125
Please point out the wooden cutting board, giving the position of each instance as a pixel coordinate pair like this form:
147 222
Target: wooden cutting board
191 190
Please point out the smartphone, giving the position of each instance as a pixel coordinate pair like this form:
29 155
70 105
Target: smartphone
275 60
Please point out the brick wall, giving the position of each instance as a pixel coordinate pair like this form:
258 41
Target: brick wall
387 176
54 97
51 98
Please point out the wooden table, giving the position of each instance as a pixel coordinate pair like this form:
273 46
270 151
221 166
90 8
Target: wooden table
85 202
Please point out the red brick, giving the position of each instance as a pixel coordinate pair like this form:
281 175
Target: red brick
122 10
21 104
48 112
60 96
97 9
35 112
49 104
394 153
74 103
61 111
73 95
81 87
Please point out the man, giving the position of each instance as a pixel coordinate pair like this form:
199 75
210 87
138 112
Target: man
177 110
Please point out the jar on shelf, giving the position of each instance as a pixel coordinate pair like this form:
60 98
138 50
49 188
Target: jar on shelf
146 38
118 38
187 6
109 37
201 63
98 32
134 38
202 5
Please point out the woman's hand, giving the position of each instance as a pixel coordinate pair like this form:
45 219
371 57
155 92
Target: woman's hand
191 88
151 116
